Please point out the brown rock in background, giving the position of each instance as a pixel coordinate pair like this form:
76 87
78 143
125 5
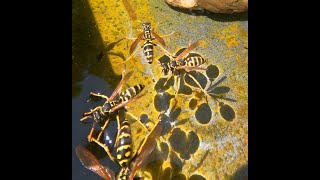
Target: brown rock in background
216 6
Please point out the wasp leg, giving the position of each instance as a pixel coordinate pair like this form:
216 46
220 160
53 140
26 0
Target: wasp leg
137 119
91 132
197 82
167 34
88 113
167 53
99 95
105 148
131 38
130 57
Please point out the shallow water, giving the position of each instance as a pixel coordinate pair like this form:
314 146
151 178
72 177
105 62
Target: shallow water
200 139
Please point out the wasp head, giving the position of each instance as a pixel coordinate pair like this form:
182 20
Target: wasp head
146 26
165 68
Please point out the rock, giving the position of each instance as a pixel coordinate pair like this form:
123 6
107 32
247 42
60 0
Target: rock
216 6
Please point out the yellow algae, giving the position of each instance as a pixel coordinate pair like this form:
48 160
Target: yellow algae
229 35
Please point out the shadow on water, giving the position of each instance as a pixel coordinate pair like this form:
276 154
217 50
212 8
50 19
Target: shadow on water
243 16
241 173
91 71
88 49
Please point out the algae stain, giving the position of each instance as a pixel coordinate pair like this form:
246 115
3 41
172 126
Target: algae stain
229 35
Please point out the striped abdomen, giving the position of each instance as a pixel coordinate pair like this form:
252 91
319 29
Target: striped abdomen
123 174
130 92
194 61
124 144
148 50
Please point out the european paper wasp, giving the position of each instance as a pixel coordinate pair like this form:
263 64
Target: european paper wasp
148 35
129 164
183 61
101 114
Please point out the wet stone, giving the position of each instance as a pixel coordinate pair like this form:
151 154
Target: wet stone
193 104
178 140
227 112
199 77
197 177
193 142
164 149
203 113
162 101
221 90
175 163
175 114
161 86
212 72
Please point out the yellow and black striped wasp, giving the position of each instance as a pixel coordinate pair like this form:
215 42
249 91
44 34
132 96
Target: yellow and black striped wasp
101 114
148 35
183 61
129 164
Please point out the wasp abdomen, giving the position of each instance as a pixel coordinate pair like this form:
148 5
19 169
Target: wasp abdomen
124 174
194 61
148 51
124 144
131 92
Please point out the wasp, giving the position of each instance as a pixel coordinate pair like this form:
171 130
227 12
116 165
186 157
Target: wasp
183 61
129 164
148 35
101 114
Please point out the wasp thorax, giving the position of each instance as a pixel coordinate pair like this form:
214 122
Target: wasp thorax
96 116
106 107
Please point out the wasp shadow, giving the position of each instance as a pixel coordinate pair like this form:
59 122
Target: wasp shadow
196 177
220 17
185 145
210 89
174 171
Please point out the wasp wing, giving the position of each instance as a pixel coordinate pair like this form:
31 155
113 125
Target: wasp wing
186 51
124 103
146 148
119 86
158 38
191 68
89 161
135 43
